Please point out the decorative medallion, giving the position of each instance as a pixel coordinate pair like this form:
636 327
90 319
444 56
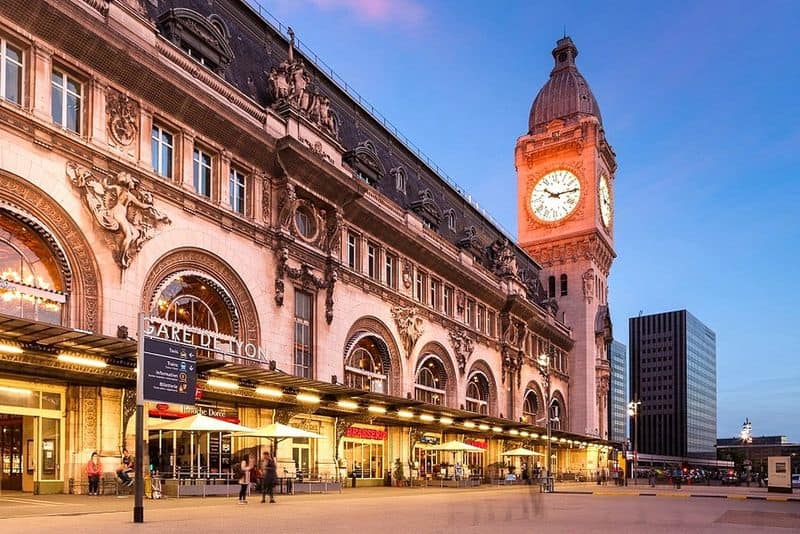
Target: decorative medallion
123 114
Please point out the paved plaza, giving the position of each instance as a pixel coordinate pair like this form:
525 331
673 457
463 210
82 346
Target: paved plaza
486 509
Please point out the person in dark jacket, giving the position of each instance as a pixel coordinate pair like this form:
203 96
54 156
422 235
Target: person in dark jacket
269 470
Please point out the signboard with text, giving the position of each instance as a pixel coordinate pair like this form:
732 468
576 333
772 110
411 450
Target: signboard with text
169 371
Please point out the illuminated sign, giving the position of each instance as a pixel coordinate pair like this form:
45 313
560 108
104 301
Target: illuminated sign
226 346
365 433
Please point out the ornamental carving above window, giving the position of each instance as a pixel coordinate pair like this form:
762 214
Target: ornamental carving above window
365 162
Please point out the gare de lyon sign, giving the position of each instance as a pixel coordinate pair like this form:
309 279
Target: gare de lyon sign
169 354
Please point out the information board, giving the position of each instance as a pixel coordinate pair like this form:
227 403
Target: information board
170 371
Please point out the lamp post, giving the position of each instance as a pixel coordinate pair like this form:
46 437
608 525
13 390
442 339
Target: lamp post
633 411
544 369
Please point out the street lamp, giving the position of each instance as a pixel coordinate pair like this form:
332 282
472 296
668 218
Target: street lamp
544 369
633 411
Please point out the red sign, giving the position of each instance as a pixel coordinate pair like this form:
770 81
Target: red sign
365 433
479 444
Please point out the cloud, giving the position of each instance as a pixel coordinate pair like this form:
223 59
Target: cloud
382 12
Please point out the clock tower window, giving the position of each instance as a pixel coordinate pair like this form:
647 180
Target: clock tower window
563 285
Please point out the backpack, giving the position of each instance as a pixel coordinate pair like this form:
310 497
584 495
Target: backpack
237 470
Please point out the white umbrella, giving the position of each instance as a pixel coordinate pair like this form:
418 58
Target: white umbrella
521 451
196 423
456 446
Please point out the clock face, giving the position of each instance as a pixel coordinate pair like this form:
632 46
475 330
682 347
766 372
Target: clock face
555 195
605 201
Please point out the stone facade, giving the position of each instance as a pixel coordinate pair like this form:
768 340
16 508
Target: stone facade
330 205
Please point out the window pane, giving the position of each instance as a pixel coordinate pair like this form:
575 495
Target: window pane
51 449
13 83
73 113
57 110
73 86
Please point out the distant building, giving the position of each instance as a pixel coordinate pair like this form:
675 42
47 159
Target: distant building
618 393
755 454
674 375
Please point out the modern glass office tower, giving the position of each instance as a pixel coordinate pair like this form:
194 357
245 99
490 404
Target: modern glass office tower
618 393
674 376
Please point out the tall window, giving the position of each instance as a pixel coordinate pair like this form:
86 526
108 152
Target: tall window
431 381
66 101
481 319
352 250
389 271
303 309
419 286
448 300
490 321
236 191
451 219
372 260
161 147
530 407
434 293
10 72
551 286
364 368
469 314
555 414
400 180
202 172
563 285
478 394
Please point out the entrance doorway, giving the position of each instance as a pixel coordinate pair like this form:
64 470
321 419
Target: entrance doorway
301 454
10 452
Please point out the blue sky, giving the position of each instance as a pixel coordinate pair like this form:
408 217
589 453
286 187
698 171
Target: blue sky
700 102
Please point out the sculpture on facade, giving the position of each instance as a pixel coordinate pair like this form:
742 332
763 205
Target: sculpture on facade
290 84
123 114
121 207
287 205
504 261
409 324
463 346
588 284
332 240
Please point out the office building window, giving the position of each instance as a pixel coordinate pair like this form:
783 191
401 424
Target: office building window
490 322
10 72
66 101
303 320
419 287
202 172
435 287
161 144
563 285
481 319
372 261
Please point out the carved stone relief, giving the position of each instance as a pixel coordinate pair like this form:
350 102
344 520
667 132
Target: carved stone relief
290 85
409 324
463 346
120 207
407 274
305 277
503 259
123 116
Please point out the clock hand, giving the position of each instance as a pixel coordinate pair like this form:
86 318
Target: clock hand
552 195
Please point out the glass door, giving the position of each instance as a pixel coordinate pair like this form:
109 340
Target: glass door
10 452
301 454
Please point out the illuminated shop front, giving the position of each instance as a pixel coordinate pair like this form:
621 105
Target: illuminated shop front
364 451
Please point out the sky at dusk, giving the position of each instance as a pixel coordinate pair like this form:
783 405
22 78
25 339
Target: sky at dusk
700 102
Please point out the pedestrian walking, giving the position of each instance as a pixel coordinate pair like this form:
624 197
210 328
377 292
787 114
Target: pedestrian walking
244 477
651 477
269 471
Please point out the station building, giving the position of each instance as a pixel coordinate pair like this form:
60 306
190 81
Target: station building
193 162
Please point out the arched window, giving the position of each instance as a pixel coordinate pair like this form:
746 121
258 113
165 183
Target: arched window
530 407
563 285
478 393
551 286
31 284
430 381
450 215
399 179
197 301
555 414
364 367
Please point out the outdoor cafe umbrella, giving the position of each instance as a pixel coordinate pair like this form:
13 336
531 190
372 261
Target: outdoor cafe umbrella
277 432
196 423
456 446
522 451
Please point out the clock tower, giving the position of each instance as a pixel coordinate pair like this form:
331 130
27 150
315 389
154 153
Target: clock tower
565 192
